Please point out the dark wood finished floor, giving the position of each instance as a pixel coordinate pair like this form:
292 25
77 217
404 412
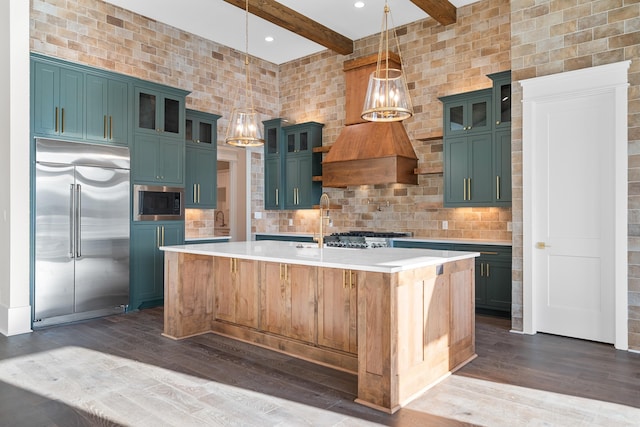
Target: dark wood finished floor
120 371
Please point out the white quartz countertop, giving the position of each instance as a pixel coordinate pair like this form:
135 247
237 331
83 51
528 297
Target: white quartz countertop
382 260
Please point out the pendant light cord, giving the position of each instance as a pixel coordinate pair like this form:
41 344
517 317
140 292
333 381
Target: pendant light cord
248 87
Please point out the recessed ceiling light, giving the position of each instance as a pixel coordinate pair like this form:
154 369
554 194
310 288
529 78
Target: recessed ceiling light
268 39
359 4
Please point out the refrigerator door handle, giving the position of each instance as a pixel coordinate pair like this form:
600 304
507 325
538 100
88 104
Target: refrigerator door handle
72 222
78 221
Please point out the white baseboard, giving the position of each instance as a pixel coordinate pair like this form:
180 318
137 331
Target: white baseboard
15 320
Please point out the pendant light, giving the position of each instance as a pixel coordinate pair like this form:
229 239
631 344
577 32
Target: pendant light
244 125
387 98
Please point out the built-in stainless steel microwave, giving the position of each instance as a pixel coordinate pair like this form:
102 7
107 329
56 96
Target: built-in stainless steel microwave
158 203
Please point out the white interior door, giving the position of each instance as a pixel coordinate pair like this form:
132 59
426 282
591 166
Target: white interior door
574 204
573 218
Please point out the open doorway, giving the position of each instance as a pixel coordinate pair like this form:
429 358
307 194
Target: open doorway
231 211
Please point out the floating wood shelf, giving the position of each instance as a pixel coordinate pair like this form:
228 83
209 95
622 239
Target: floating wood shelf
426 170
323 149
429 136
316 178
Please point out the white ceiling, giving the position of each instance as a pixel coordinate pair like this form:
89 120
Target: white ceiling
225 24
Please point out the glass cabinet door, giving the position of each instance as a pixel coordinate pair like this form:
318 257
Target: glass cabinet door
147 111
503 115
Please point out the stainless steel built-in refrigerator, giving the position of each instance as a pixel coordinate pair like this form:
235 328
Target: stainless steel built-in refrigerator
81 231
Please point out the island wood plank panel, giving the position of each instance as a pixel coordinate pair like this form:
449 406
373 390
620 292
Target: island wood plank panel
236 290
190 307
337 309
254 302
288 300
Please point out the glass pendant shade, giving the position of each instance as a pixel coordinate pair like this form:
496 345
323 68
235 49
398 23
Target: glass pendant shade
244 128
387 98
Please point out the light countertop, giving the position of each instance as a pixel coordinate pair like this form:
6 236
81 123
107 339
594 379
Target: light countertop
382 260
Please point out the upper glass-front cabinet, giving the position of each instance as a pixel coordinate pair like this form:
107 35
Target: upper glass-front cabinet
159 113
201 128
502 99
468 113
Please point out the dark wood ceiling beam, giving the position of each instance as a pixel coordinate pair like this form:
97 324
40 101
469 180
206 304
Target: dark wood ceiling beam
291 20
440 10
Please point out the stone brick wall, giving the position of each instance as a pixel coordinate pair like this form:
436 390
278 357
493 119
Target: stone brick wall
553 36
438 61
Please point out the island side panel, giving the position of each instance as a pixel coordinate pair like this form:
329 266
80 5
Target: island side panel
377 352
462 347
414 327
423 329
188 294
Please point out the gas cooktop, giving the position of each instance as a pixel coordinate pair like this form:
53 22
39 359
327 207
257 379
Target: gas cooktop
363 239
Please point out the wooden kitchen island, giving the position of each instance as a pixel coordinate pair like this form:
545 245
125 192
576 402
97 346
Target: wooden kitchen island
401 319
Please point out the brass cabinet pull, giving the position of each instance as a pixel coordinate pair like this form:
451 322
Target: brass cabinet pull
488 253
104 127
198 193
498 186
230 265
542 245
163 235
194 193
464 188
481 269
158 236
469 189
276 197
110 127
487 269
56 121
353 279
62 122
344 279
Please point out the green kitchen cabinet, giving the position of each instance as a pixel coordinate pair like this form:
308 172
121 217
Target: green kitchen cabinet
107 110
501 99
468 176
493 277
273 161
58 101
157 160
159 111
291 165
201 157
201 128
147 260
477 146
201 177
502 167
468 113
302 164
284 238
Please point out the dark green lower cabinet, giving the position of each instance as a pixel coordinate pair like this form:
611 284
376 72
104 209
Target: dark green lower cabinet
284 238
493 273
147 261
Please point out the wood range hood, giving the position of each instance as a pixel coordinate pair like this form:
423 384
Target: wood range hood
368 153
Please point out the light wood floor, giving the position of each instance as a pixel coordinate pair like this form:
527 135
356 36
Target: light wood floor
120 371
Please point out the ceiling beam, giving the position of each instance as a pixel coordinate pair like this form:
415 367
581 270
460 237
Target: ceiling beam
440 10
291 20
